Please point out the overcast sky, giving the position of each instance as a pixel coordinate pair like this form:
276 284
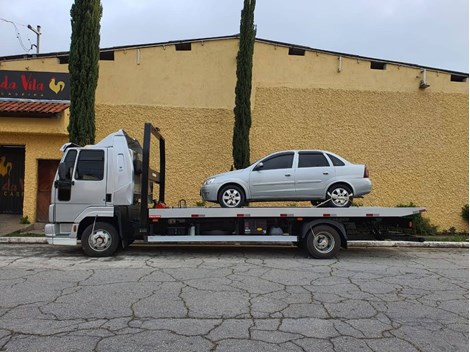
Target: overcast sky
424 32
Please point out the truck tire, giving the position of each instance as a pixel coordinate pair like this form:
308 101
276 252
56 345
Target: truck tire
322 242
103 242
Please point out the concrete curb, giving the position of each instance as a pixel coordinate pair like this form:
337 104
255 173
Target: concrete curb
351 244
26 240
437 244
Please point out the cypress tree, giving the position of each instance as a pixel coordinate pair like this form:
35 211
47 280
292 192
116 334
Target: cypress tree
83 68
242 110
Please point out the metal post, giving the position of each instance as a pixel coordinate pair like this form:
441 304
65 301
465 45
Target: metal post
38 36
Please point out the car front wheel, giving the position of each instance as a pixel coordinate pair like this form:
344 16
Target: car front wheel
231 196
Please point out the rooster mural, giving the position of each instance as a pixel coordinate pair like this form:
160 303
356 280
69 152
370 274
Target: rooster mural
56 87
5 167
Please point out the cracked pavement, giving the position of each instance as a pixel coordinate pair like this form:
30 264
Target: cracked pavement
217 298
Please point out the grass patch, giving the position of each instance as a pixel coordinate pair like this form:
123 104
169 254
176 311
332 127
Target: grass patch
24 234
447 238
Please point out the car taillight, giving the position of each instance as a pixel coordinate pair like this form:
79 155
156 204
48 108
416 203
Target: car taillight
366 172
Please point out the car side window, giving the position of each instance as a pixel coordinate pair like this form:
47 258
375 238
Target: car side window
90 165
312 159
335 160
282 161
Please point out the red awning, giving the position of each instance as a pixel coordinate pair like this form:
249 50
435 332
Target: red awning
31 108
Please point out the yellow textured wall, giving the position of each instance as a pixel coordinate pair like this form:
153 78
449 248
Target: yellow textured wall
37 146
408 140
414 141
198 142
415 144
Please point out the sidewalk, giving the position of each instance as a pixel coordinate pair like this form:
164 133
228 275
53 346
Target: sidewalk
11 222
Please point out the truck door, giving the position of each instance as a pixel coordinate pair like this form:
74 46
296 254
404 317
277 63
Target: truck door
84 185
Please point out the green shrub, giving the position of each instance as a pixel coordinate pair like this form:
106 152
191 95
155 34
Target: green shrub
464 212
421 226
201 203
24 220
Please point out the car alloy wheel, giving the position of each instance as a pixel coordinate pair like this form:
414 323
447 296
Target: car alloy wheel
231 197
340 196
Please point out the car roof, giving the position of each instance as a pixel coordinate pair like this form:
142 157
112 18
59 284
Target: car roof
307 150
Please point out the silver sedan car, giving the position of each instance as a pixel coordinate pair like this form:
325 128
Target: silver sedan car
295 175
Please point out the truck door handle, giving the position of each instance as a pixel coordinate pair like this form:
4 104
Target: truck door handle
325 173
287 175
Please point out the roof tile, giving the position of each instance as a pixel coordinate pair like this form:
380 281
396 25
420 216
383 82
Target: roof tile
32 107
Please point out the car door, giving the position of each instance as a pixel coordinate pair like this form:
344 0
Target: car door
273 178
313 174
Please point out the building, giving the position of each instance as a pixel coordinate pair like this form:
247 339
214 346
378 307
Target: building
409 123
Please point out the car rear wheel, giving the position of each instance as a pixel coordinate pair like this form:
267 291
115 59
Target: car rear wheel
340 196
231 196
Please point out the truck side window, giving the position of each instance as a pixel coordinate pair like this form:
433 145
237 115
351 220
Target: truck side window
64 190
90 165
69 162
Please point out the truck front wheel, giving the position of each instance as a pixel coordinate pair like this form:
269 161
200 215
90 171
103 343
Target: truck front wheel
322 242
100 240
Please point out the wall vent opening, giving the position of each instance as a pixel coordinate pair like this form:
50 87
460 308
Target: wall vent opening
377 65
296 52
458 78
183 47
63 60
107 55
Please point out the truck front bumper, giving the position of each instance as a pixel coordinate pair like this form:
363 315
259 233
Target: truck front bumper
54 236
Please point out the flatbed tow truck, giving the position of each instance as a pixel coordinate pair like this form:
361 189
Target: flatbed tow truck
102 194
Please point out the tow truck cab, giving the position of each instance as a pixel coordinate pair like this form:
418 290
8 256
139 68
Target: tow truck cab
101 181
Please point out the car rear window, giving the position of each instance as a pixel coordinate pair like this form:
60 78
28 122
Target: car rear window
312 159
335 160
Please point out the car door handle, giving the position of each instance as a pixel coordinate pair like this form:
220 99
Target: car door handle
325 173
287 175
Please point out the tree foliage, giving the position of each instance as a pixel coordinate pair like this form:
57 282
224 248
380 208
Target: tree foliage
83 68
242 110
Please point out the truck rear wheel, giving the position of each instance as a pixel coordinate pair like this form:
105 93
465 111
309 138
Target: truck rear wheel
322 242
103 242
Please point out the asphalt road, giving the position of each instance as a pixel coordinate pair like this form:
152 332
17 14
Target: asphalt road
233 299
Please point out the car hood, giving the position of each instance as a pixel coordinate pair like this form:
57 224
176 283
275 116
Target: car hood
229 174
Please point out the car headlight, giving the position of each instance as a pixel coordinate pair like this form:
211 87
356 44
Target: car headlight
209 181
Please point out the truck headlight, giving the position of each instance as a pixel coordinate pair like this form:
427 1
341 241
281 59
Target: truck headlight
209 181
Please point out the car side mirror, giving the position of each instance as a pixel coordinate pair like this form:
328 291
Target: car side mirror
259 166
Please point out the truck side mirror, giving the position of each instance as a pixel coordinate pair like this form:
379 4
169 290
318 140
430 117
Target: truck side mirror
137 166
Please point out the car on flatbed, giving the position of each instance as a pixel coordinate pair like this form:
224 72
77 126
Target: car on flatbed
296 175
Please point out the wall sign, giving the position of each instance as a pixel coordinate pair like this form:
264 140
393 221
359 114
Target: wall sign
35 85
